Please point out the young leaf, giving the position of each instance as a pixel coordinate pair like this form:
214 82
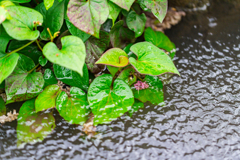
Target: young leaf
74 109
3 14
114 11
153 94
136 106
4 39
158 7
53 18
114 57
136 22
21 26
125 4
77 32
42 61
33 127
94 48
47 99
48 3
72 55
112 70
127 75
31 51
72 78
8 63
49 78
160 40
22 85
151 60
121 36
2 107
88 15
108 104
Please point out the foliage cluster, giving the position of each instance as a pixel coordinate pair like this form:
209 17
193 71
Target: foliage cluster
42 43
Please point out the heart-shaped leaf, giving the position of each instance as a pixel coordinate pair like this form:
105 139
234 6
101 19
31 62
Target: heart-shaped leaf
108 104
95 48
114 57
22 85
114 11
47 99
88 15
52 18
136 22
74 109
31 51
48 3
33 127
72 55
49 77
127 75
8 63
136 106
121 36
77 32
160 40
151 60
21 26
42 61
125 4
153 94
4 39
72 78
2 107
158 7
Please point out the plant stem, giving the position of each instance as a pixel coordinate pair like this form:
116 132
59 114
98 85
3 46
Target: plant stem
33 68
38 45
115 77
16 50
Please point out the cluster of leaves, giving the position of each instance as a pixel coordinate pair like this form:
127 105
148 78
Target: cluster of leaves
33 59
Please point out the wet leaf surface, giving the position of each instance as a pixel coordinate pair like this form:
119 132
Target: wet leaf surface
151 60
33 127
21 25
74 109
47 99
22 85
72 55
160 40
106 104
2 107
136 106
115 57
95 48
72 78
125 4
42 61
121 36
153 94
127 75
136 22
7 64
89 15
49 77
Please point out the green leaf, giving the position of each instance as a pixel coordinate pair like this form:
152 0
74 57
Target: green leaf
2 85
153 94
2 107
77 32
3 14
160 40
108 104
113 70
33 127
114 11
114 57
72 78
136 106
49 77
72 55
94 49
136 23
127 75
48 3
6 3
42 61
121 36
151 60
22 85
21 26
8 63
88 15
4 39
31 51
47 99
74 109
20 1
158 7
53 18
125 4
